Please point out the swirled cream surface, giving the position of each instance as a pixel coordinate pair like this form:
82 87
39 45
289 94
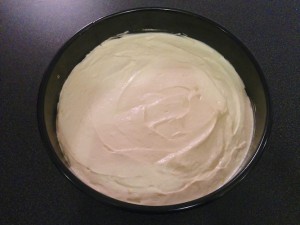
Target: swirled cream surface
154 119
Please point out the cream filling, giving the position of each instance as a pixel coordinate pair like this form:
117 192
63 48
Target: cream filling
154 119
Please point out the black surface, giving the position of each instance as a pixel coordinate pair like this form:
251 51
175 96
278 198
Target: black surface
32 191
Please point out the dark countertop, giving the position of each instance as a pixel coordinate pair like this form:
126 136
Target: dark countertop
32 190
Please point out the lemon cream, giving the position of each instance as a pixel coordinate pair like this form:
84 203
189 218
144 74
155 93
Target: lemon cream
154 119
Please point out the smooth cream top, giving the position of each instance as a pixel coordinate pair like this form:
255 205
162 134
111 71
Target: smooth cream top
154 119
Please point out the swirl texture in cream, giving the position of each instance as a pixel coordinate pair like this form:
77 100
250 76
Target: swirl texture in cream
154 119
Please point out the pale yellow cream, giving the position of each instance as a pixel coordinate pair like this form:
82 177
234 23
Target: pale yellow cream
154 119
